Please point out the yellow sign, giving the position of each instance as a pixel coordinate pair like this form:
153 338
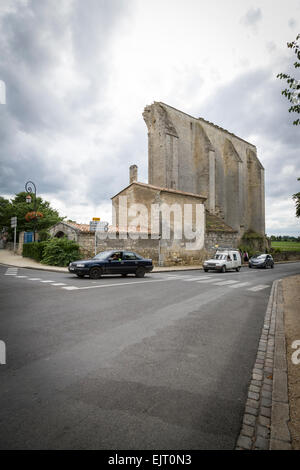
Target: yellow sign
96 219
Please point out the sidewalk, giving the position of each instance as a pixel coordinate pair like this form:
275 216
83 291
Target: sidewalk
9 258
272 414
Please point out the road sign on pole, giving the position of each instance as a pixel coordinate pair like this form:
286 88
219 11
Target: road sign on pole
13 223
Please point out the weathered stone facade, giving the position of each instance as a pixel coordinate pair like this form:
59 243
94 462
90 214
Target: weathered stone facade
182 235
191 154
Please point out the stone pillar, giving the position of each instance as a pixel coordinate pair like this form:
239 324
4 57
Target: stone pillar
133 173
212 182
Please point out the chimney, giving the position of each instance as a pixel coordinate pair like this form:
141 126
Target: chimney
133 173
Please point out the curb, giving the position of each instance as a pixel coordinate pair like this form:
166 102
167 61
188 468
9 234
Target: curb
266 413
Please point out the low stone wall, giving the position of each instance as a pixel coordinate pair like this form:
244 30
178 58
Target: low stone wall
172 253
287 256
145 247
220 238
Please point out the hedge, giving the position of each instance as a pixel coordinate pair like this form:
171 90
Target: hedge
34 250
54 252
60 252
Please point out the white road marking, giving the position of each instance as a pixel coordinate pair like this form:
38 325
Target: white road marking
225 283
70 288
259 287
58 284
213 279
11 272
240 284
122 284
34 279
47 281
196 278
21 276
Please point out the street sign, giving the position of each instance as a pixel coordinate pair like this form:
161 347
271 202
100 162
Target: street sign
13 223
97 226
96 219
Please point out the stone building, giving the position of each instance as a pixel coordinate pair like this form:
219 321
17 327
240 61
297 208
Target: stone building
192 165
194 155
162 212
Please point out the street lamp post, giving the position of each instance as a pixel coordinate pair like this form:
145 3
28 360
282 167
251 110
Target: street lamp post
30 188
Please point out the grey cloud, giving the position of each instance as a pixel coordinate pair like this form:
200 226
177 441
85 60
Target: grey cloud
252 17
252 105
292 23
31 38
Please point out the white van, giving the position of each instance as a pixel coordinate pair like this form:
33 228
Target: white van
224 259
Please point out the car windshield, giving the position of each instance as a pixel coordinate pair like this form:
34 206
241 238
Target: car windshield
103 255
259 256
218 256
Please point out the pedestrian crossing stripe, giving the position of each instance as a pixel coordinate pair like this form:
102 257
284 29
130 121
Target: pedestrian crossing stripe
215 281
259 287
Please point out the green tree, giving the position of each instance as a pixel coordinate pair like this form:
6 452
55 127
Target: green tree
19 207
296 198
5 207
292 93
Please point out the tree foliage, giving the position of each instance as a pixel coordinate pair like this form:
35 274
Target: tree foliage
296 198
19 207
292 93
60 252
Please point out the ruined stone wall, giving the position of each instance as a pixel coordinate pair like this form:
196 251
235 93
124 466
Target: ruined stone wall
194 155
67 230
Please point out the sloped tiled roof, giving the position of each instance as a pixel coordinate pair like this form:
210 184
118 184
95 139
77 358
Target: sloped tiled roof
159 188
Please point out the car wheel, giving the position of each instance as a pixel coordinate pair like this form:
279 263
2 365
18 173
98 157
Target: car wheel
80 275
250 266
237 269
140 272
124 274
223 269
272 266
95 273
206 270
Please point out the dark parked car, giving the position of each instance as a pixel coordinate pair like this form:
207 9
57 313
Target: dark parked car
261 261
112 262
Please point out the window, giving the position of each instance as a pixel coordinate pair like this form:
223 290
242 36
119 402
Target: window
234 257
129 255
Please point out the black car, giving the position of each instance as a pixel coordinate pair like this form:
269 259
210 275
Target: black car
112 262
261 261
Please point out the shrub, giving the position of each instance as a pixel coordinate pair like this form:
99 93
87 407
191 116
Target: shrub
34 250
60 252
44 235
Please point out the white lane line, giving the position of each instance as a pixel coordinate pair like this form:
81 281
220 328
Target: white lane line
210 280
121 284
240 284
34 279
70 288
196 278
259 287
21 276
225 283
47 281
58 284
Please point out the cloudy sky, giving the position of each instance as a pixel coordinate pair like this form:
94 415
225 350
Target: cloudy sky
78 74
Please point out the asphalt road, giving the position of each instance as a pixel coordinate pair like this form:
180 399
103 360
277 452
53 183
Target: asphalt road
158 363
